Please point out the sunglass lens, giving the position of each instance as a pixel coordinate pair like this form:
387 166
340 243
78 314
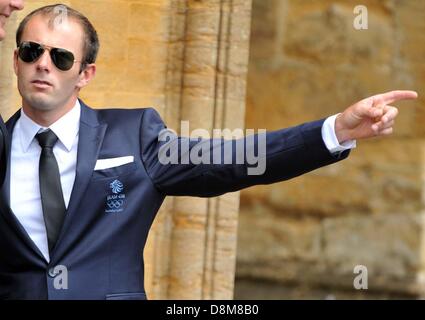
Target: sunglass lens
29 51
63 59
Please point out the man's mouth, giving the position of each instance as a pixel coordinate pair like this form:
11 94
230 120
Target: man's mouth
41 83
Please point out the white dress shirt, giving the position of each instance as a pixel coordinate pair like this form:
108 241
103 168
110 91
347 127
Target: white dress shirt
330 139
24 185
25 200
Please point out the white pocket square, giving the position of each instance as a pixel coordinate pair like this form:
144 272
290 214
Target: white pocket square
102 164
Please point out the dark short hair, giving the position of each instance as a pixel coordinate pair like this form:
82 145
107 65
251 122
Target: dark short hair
91 40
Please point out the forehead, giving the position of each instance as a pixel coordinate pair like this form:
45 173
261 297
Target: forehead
55 32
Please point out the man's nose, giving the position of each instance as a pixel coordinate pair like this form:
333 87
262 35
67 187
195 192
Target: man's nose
17 4
44 62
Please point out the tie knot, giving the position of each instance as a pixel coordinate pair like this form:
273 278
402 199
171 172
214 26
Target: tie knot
47 139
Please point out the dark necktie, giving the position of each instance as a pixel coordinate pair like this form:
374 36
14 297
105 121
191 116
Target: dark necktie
50 187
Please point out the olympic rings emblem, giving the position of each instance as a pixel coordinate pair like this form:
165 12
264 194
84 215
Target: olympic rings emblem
115 204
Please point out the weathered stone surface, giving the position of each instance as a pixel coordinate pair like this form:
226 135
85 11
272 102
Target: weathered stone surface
324 252
369 182
307 62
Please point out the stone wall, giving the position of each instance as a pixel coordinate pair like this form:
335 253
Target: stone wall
307 62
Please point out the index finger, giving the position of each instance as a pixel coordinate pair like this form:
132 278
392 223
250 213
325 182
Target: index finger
393 96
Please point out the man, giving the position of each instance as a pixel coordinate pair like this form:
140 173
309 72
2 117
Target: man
84 185
6 8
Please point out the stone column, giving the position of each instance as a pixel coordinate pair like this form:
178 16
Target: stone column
195 239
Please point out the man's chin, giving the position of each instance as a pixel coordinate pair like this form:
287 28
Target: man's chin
40 103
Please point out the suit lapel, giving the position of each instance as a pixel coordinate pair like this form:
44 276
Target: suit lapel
91 136
5 192
10 125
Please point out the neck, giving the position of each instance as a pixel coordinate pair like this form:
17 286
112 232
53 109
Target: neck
46 118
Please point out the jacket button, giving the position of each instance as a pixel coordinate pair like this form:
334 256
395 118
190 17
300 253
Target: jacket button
52 273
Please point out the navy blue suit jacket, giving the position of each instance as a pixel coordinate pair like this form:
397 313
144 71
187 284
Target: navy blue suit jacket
3 141
111 211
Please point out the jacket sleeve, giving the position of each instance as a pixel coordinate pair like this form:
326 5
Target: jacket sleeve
174 166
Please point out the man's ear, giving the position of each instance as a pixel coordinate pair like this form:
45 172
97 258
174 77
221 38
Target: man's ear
15 61
86 75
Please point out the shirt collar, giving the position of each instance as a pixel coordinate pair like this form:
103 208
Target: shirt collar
66 128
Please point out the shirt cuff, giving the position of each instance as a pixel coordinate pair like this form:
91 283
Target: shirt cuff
330 139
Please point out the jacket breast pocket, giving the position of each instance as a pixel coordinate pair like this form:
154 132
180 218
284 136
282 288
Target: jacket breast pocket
127 296
115 171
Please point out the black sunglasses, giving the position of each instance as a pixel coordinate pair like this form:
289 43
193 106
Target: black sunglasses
30 52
